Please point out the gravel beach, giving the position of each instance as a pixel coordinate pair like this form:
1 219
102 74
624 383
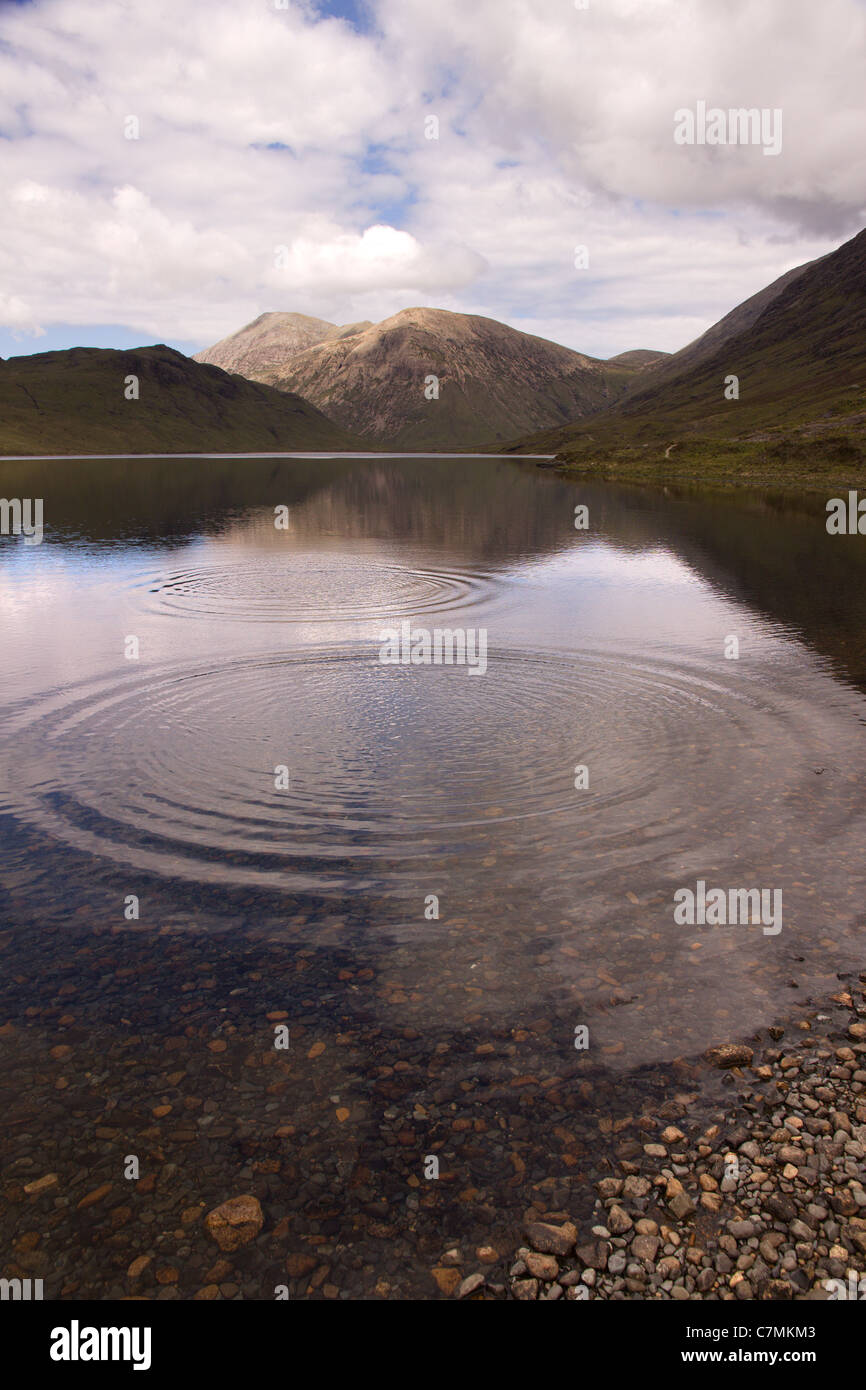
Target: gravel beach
262 1173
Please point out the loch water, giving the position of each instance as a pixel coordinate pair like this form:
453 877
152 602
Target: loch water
221 811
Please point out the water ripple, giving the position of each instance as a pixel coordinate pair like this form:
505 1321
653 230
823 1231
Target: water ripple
307 588
393 770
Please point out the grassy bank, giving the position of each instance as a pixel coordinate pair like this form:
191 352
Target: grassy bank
822 460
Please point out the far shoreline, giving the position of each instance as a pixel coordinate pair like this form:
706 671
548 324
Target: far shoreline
735 466
787 465
277 454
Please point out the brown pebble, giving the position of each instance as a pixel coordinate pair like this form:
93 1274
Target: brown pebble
95 1196
34 1189
446 1279
235 1222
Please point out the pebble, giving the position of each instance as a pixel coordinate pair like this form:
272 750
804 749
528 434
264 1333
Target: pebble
551 1240
447 1279
619 1221
542 1266
235 1222
730 1055
735 1169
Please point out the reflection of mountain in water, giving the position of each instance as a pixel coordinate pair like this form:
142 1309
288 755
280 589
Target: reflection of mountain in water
775 557
605 651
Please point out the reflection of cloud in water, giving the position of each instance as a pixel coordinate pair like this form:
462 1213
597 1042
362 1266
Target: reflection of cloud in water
600 560
409 781
259 648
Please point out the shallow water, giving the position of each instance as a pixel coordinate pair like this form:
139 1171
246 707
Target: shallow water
309 907
259 647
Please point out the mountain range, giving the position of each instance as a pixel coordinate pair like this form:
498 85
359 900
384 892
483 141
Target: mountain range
427 378
778 382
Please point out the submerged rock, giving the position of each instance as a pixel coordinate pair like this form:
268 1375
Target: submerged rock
551 1240
730 1055
235 1222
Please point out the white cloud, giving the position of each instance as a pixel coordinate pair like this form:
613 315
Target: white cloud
17 315
262 128
380 258
600 87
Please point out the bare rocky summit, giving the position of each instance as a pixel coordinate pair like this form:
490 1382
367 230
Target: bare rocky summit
269 342
494 382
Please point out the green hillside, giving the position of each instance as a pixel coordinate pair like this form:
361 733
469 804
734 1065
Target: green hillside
801 413
75 402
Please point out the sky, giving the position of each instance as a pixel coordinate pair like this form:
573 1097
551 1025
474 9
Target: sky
171 169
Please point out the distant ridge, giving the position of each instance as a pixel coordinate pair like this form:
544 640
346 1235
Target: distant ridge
638 357
797 349
74 402
493 381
